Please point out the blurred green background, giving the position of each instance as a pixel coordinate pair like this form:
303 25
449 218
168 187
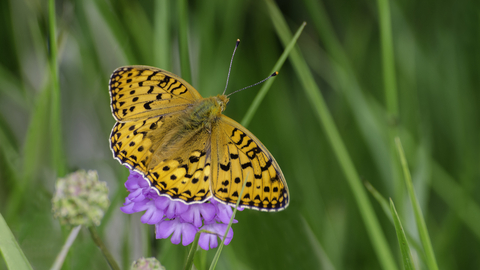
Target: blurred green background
433 107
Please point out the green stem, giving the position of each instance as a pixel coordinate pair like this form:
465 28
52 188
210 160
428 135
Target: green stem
217 255
98 241
191 253
56 130
66 247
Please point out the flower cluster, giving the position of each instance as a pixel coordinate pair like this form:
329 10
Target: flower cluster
176 218
147 264
80 199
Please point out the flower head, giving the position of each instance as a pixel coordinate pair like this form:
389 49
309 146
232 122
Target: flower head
176 218
147 264
80 199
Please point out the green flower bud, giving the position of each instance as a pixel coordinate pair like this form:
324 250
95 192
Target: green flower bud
147 264
80 199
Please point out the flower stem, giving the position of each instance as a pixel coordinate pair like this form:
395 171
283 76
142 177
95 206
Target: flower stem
191 254
219 250
63 253
98 241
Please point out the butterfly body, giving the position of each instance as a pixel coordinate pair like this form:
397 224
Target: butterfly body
185 147
205 112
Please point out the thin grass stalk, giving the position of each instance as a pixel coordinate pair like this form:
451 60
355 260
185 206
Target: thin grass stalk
56 129
390 88
421 226
266 86
312 91
162 37
57 265
183 40
387 210
219 250
191 253
388 60
106 253
402 239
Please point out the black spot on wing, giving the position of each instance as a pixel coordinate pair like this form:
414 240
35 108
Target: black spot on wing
225 167
147 105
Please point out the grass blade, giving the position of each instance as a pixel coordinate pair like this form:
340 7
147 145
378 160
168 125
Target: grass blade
191 253
183 40
422 227
66 247
56 129
386 208
11 251
162 38
389 79
402 239
266 86
220 247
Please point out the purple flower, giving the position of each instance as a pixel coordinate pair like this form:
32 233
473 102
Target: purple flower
165 228
153 214
199 212
209 240
176 218
224 212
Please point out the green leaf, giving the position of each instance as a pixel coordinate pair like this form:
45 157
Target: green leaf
11 251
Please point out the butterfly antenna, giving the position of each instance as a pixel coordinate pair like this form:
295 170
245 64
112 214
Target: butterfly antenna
231 62
273 75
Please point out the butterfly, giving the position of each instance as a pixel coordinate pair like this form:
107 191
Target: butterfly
185 147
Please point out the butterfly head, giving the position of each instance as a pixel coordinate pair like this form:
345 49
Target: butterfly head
221 102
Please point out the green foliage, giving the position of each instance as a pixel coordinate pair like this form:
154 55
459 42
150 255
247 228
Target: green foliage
362 73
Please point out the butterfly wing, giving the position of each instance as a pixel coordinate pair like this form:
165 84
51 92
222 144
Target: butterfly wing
147 102
237 152
140 92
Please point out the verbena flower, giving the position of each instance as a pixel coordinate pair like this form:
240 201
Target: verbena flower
80 199
175 218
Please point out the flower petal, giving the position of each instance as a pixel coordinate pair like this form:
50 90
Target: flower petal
153 215
179 229
207 240
195 213
175 209
188 233
164 229
224 213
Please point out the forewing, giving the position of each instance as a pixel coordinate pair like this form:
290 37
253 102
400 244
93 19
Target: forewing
140 92
238 153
